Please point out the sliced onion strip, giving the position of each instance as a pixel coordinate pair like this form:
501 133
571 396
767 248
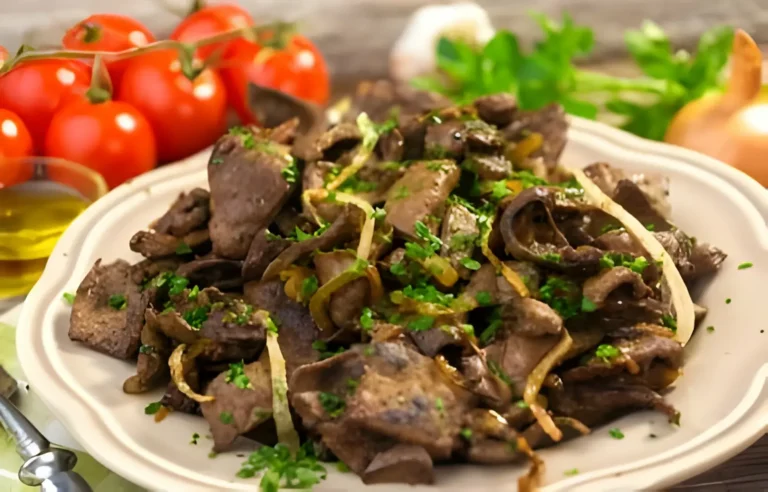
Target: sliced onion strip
370 137
281 410
681 298
510 275
317 305
176 363
536 379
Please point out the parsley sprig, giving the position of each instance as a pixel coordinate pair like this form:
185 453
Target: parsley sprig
548 73
283 470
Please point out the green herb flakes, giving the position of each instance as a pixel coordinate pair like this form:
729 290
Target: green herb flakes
342 467
333 405
745 265
271 326
616 433
466 433
728 301
366 319
497 370
421 323
439 405
290 173
226 418
146 349
379 214
322 347
401 192
282 470
572 472
193 293
669 322
483 298
236 375
710 329
587 305
521 404
470 264
552 257
153 408
195 437
117 302
183 248
308 287
607 352
68 297
195 317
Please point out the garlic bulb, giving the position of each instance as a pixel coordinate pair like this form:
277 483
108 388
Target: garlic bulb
414 52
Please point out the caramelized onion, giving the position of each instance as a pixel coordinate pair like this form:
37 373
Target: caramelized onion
510 275
319 301
530 481
370 137
536 380
281 410
176 362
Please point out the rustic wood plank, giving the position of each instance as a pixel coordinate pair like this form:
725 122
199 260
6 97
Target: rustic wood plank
747 471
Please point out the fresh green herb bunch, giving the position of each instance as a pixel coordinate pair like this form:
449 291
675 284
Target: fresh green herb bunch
547 73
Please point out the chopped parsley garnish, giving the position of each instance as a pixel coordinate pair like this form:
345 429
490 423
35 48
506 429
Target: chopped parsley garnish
553 257
468 329
745 265
616 433
271 325
439 405
246 136
571 472
606 352
611 227
499 190
183 249
369 350
669 322
117 301
561 295
69 298
650 227
417 251
153 408
587 305
463 241
217 160
401 192
398 269
493 326
271 236
333 405
226 418
178 284
437 165
496 370
236 375
423 232
291 172
146 349
470 264
301 235
308 287
193 293
195 437
342 467
379 214
282 470
637 265
466 433
353 184
196 317
521 404
710 329
728 301
425 292
483 298
366 319
322 347
528 179
421 323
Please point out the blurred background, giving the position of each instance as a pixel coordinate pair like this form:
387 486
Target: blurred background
357 43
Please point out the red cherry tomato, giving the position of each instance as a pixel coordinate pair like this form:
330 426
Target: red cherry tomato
299 70
209 21
186 115
112 138
15 140
4 55
108 32
35 90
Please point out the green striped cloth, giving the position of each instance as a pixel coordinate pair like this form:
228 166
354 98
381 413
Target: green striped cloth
99 478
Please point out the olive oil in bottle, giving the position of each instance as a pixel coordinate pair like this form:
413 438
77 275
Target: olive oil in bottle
32 218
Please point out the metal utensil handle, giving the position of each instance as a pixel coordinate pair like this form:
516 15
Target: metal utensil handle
29 441
66 482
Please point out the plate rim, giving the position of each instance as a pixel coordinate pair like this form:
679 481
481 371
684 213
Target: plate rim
734 432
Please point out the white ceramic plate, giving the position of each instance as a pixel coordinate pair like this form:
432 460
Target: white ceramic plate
722 395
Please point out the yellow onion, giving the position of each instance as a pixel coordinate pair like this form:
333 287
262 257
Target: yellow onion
732 126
